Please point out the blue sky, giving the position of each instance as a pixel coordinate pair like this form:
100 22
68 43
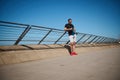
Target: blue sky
99 17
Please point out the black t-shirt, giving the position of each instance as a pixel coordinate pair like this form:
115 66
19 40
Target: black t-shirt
70 32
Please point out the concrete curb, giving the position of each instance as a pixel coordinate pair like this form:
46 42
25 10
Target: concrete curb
18 56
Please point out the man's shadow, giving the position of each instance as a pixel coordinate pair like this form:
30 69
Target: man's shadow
68 48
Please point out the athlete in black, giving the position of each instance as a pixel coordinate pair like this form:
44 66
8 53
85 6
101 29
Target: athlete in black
69 27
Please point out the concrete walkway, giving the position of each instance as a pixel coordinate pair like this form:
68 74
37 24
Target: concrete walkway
101 65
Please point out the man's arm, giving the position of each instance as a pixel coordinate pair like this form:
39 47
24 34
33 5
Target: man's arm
67 29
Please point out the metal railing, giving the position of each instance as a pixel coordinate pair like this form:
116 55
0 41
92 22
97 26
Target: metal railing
17 34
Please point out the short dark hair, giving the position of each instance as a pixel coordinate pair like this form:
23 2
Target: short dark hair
69 19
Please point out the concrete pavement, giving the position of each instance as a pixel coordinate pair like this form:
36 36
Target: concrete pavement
99 65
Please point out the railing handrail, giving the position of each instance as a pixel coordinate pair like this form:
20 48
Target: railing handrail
28 27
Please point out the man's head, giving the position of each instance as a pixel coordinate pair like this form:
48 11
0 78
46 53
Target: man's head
70 20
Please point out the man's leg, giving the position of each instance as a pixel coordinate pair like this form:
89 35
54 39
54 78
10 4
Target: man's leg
71 46
74 44
71 42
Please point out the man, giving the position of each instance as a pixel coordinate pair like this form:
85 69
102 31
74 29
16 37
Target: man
69 27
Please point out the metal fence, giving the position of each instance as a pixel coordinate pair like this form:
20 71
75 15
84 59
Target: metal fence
17 34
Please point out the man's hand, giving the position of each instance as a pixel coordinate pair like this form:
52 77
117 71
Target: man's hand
67 29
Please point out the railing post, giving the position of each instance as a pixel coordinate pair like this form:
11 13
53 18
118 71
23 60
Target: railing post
87 38
22 35
106 41
45 36
98 39
67 41
101 40
114 41
93 39
118 40
81 38
60 37
111 40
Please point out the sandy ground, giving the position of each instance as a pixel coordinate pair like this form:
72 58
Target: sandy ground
95 65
